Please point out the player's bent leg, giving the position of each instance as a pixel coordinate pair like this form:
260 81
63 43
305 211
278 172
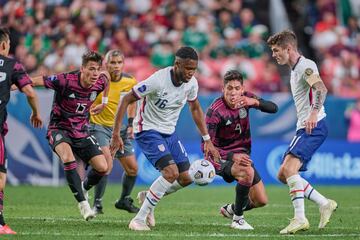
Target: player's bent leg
101 186
257 195
99 169
125 202
64 151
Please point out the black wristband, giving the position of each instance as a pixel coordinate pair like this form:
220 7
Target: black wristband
130 121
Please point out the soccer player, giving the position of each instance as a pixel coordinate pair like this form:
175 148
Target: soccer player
163 95
68 131
227 120
102 125
309 94
11 72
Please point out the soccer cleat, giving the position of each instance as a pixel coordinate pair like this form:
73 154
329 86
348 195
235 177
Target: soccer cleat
6 230
241 224
227 211
86 211
98 208
126 204
85 192
138 225
326 212
150 220
296 225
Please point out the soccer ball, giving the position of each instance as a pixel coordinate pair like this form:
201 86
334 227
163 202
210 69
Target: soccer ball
202 172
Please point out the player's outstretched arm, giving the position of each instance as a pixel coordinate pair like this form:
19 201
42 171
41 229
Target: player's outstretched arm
116 141
198 117
33 101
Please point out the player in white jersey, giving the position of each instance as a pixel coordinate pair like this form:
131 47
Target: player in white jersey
163 95
309 92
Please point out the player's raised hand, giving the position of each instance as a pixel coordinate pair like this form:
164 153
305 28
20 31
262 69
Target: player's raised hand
311 123
116 143
36 121
210 149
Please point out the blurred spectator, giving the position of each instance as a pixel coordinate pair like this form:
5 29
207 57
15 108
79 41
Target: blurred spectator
352 113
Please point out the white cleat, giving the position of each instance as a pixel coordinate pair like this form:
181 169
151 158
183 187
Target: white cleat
138 225
241 224
150 219
296 225
85 192
227 211
326 211
86 211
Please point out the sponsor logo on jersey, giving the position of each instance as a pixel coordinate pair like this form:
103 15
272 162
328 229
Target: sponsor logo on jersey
93 96
142 88
72 95
242 113
161 147
228 122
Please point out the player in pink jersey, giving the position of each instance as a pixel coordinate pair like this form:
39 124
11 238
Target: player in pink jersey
227 120
11 72
68 130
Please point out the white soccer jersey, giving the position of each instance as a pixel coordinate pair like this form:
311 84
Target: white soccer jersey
161 101
301 90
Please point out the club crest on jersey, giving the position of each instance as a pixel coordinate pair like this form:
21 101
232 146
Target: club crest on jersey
142 88
242 113
52 78
58 137
93 95
308 72
161 147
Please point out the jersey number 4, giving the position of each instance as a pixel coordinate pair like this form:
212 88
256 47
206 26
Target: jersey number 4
161 103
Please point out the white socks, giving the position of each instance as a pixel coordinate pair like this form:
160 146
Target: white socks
312 194
174 187
153 196
297 195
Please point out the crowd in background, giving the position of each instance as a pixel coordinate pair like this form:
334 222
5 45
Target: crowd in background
49 36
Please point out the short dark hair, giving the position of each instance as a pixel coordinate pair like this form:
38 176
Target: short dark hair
233 75
283 38
113 53
91 56
187 52
4 34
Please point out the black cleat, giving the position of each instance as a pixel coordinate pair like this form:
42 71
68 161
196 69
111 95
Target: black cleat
98 208
126 204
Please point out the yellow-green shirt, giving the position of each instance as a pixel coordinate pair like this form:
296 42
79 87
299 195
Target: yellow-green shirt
117 89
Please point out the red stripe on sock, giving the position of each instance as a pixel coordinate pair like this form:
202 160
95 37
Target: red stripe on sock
156 197
294 191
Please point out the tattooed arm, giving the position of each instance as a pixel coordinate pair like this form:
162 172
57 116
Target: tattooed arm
320 91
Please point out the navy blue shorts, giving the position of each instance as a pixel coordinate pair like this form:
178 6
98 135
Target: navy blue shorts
157 145
304 145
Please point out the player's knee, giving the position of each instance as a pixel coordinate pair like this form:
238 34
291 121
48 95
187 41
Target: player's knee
261 202
102 167
132 171
170 175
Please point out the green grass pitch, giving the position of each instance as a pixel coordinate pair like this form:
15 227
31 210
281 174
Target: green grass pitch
192 213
